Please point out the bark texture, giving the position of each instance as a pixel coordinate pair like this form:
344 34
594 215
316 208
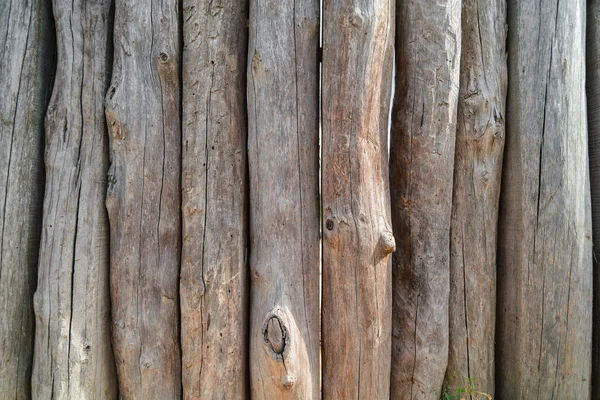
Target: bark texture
421 171
477 173
143 199
357 235
593 113
283 84
213 266
544 244
26 72
73 356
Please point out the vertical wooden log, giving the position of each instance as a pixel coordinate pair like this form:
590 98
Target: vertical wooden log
421 167
213 266
143 200
26 72
357 234
283 84
73 356
544 241
593 115
477 173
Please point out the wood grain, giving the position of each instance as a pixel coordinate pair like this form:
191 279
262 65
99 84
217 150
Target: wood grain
26 74
421 171
477 174
144 198
73 355
283 134
357 235
214 277
544 329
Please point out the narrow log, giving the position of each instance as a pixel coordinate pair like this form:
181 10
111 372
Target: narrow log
477 174
283 83
73 355
26 73
143 199
421 171
593 114
214 277
357 235
544 330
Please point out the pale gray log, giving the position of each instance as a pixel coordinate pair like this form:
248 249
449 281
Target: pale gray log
144 199
357 235
214 277
283 84
593 113
544 329
73 356
26 72
421 170
477 173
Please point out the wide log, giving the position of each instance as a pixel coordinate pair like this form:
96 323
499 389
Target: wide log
544 329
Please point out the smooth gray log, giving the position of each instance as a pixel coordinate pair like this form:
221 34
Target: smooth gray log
477 173
544 331
26 73
214 277
283 83
144 198
73 356
421 171
358 42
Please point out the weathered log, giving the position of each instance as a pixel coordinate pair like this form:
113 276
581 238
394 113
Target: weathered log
477 173
214 201
143 199
26 73
73 356
593 115
421 169
544 240
283 83
357 234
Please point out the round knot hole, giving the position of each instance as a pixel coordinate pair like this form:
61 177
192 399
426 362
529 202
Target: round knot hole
329 225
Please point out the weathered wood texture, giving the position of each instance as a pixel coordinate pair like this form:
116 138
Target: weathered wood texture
73 357
283 84
421 171
143 199
213 265
544 241
593 114
357 235
26 71
477 173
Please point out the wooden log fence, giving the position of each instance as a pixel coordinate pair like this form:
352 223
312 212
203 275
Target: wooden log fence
240 199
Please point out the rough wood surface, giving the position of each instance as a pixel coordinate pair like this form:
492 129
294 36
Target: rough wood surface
357 235
421 169
477 173
283 85
213 266
73 356
593 114
26 72
143 199
544 329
